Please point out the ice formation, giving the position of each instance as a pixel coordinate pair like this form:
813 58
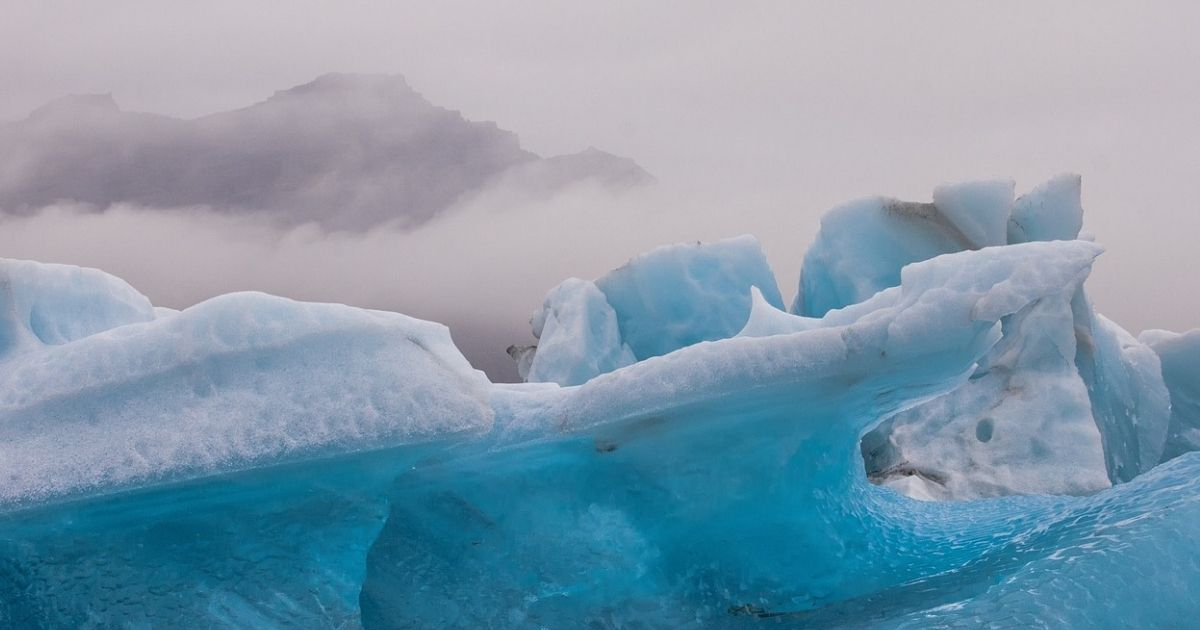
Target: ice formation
659 302
1179 355
694 457
54 304
1062 376
233 382
578 336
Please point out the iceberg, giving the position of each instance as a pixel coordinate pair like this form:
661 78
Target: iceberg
226 385
630 515
578 336
685 453
1061 378
863 245
1050 212
679 295
48 305
659 302
1179 356
151 460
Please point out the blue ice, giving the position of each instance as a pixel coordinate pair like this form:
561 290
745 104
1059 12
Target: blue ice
692 457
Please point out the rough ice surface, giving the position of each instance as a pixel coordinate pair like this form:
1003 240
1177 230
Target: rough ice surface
254 462
1022 424
228 384
863 244
1062 376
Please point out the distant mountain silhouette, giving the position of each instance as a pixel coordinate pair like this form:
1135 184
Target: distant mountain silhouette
346 151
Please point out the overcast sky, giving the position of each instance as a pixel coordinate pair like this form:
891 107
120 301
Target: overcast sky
755 118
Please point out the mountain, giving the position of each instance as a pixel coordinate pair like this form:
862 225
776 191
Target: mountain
347 151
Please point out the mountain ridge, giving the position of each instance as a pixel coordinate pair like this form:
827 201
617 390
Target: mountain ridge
347 151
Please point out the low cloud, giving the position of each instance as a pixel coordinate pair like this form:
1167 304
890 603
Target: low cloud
345 151
481 267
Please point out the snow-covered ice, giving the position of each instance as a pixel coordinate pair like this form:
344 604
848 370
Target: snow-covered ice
43 305
237 381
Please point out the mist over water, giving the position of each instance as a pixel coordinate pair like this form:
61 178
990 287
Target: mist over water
752 121
481 268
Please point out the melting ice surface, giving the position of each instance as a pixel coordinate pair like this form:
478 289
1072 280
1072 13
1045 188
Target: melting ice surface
686 454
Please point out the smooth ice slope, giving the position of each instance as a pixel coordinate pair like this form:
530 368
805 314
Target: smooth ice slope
1050 212
1130 402
44 304
979 210
670 298
270 548
1180 359
578 336
678 295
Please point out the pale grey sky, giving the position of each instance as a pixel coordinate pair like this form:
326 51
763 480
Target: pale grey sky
755 117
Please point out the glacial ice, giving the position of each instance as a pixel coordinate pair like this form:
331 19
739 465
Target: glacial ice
693 457
978 210
1062 375
1049 212
1022 423
863 245
578 336
678 295
234 382
42 304
1179 356
659 302
1130 401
